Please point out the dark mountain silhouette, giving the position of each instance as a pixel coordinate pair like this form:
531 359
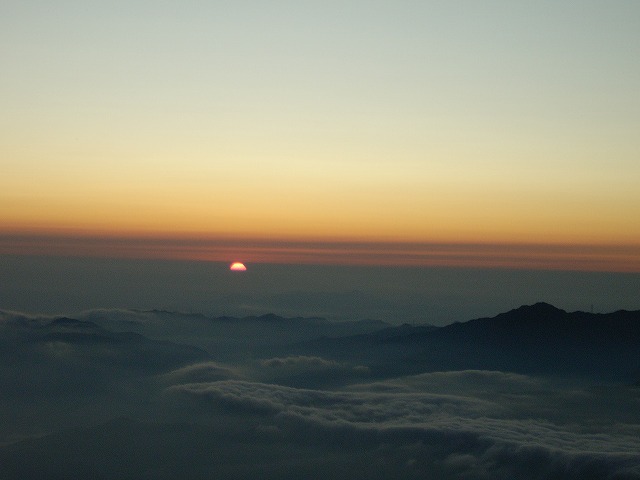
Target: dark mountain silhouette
71 356
536 339
229 338
123 346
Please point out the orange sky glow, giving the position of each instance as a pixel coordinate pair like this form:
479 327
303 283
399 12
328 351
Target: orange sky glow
486 136
618 258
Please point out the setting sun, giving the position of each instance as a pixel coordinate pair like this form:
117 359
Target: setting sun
237 267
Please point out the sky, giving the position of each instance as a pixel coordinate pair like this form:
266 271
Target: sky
409 161
52 285
334 124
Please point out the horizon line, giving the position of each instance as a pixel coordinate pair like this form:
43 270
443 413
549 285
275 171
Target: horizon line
621 258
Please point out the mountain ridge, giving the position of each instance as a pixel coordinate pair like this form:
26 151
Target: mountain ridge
531 339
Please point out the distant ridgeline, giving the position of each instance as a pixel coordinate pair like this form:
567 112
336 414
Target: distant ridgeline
536 339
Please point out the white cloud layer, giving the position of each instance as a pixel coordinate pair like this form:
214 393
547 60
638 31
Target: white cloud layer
196 414
473 436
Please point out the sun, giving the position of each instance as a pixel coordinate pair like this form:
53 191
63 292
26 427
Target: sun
237 267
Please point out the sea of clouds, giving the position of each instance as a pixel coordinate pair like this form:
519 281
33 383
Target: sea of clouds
87 399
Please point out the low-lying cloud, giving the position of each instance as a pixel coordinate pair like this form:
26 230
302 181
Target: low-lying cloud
83 397
199 373
470 436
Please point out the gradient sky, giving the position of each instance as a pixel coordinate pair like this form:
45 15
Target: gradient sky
432 122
